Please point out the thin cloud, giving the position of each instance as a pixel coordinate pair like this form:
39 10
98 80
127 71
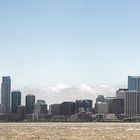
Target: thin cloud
61 92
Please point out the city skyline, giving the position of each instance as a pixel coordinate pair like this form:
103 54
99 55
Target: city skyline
69 42
59 93
125 101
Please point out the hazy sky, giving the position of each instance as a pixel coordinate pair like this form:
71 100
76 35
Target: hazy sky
45 42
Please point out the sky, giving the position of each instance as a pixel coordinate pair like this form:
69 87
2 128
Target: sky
47 42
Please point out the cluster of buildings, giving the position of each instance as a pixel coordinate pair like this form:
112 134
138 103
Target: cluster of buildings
12 110
125 105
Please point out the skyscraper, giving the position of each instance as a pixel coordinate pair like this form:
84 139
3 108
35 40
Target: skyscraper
131 101
134 83
16 101
30 100
5 93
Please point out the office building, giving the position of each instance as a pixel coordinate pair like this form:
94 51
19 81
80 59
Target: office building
102 108
5 93
134 83
117 106
131 101
30 101
83 105
54 109
21 111
109 101
40 107
67 108
15 101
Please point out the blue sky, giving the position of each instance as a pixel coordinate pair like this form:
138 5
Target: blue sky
45 42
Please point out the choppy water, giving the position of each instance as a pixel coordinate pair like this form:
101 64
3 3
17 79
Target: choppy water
69 131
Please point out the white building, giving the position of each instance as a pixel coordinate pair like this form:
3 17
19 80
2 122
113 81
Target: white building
131 101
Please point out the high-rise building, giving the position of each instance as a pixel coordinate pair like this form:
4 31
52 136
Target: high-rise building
117 106
16 101
134 83
54 109
5 93
131 101
67 108
30 101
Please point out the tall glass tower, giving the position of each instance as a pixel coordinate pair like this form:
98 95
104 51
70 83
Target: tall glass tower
16 101
5 93
134 83
30 101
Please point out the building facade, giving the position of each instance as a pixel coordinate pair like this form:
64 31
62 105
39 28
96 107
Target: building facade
131 101
5 93
109 101
40 107
83 105
30 101
134 83
117 106
15 101
54 109
102 108
2 109
21 111
67 108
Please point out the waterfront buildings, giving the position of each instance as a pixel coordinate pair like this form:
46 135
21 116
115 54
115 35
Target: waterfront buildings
30 100
126 102
15 101
5 93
